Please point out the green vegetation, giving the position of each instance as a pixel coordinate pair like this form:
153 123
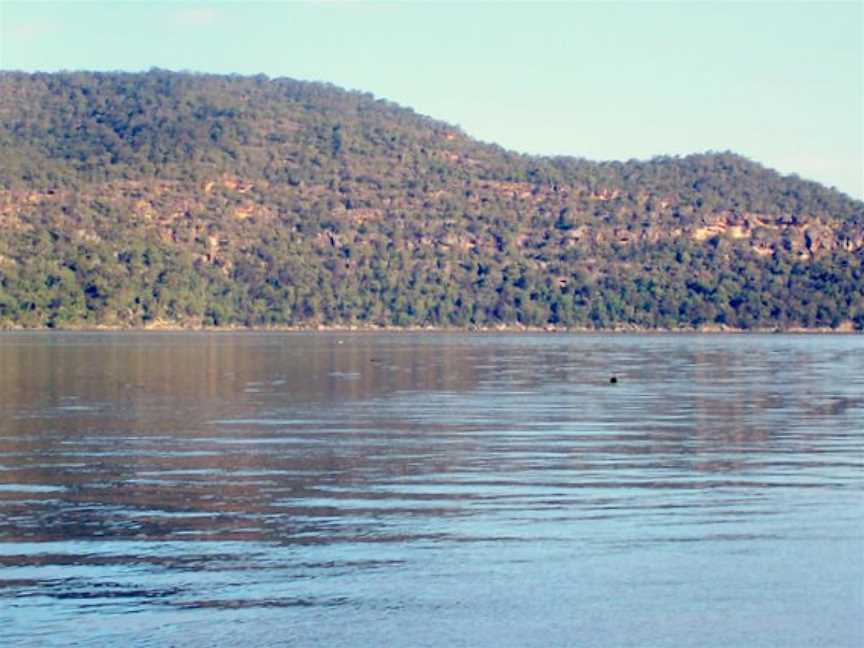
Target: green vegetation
135 199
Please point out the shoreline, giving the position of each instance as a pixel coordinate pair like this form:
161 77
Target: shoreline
172 327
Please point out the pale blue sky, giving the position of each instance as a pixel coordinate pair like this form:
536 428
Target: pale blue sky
779 82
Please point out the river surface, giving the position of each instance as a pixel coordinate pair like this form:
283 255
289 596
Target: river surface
420 489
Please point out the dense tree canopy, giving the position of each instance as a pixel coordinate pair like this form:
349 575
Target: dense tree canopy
134 199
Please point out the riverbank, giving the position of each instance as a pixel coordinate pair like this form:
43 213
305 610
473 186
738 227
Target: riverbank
846 327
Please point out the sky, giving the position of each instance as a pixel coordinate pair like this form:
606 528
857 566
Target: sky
781 83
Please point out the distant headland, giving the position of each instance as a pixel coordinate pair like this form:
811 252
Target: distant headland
182 201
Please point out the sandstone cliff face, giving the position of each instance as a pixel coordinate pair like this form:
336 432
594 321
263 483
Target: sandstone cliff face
217 218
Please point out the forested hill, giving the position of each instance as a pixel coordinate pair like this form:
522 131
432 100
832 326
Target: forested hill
163 198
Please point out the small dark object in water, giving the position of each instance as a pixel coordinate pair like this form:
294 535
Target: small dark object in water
614 380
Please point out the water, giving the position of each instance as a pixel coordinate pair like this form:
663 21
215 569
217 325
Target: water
431 490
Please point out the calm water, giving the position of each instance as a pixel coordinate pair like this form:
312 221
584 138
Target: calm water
431 490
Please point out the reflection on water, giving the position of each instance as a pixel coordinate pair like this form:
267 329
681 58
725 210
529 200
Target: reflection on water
428 490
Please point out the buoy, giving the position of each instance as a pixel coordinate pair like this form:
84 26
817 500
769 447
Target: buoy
613 380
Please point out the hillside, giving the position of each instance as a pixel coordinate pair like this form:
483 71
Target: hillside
138 199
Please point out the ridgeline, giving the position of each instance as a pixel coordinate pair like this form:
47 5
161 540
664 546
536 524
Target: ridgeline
165 199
